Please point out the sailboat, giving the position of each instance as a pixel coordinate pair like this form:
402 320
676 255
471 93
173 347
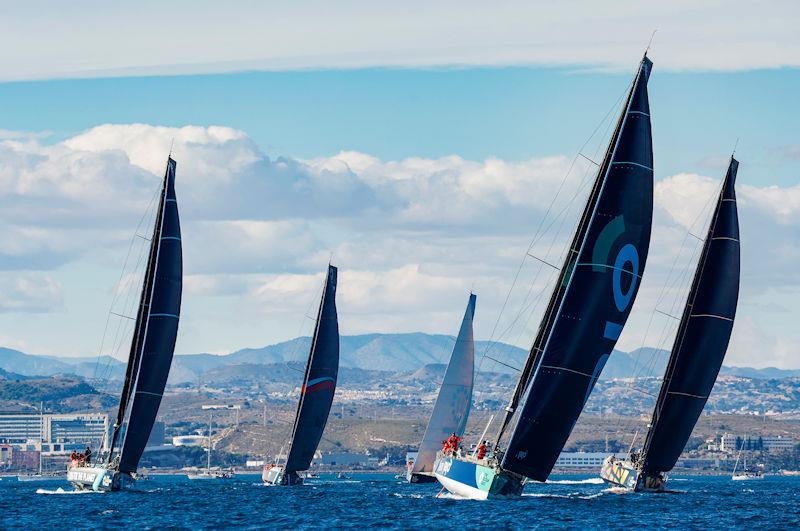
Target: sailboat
208 473
150 357
451 409
697 352
745 474
316 393
587 310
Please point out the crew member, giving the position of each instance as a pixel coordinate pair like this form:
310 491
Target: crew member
88 455
482 450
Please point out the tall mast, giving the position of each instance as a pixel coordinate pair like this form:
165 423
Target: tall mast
550 314
137 342
691 300
309 360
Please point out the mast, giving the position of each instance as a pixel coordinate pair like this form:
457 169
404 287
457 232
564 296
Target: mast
319 382
208 462
705 328
142 315
308 363
559 291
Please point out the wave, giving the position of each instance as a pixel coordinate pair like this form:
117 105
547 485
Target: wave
589 481
414 496
59 490
570 496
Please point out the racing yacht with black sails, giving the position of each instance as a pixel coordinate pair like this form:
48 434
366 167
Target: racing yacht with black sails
451 409
586 312
150 357
697 352
316 394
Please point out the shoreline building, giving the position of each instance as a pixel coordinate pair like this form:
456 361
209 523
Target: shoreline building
54 433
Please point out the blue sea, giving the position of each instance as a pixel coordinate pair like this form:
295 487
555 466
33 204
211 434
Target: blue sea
382 501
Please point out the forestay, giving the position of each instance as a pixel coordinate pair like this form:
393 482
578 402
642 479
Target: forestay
451 409
156 328
319 382
702 338
591 303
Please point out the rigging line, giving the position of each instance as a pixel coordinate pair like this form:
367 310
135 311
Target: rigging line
119 281
698 268
590 160
549 208
561 218
545 262
503 363
668 315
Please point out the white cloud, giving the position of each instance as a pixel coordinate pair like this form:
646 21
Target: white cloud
29 293
77 39
411 237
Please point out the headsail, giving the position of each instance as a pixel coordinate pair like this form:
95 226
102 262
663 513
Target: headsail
156 329
451 410
319 383
702 337
594 294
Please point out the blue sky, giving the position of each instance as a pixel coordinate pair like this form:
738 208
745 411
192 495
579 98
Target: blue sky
420 145
513 113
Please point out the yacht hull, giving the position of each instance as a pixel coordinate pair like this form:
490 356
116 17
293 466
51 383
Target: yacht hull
99 479
624 474
419 478
476 481
277 476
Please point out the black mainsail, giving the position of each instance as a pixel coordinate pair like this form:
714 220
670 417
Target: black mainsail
155 332
319 382
593 296
702 338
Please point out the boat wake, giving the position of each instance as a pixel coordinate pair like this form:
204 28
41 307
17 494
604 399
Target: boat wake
59 490
570 496
411 496
589 481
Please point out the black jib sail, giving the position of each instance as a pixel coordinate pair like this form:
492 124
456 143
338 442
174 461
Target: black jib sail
702 337
593 296
156 329
319 383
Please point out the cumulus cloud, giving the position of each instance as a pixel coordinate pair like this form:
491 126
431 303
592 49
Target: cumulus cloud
411 236
29 293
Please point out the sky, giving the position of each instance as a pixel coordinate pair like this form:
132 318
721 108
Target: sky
418 147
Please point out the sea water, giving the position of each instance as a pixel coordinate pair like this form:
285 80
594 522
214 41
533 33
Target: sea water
383 501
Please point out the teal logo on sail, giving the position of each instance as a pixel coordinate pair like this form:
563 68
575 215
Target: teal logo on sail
626 261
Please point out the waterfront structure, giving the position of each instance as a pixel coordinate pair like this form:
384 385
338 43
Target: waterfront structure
54 433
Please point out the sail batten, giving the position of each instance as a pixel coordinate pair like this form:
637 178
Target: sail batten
319 381
153 344
702 337
451 409
592 298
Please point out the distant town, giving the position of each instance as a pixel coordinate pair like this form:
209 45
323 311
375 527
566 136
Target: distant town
50 408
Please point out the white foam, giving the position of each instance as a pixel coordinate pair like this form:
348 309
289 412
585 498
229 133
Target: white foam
59 490
589 481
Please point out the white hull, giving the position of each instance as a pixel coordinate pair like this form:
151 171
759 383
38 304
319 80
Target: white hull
461 490
220 475
746 478
276 475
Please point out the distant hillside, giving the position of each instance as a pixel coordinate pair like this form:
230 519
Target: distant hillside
399 353
57 393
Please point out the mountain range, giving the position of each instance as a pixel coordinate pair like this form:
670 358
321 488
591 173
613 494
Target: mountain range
385 352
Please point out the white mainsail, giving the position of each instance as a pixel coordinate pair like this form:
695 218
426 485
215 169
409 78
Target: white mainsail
451 410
